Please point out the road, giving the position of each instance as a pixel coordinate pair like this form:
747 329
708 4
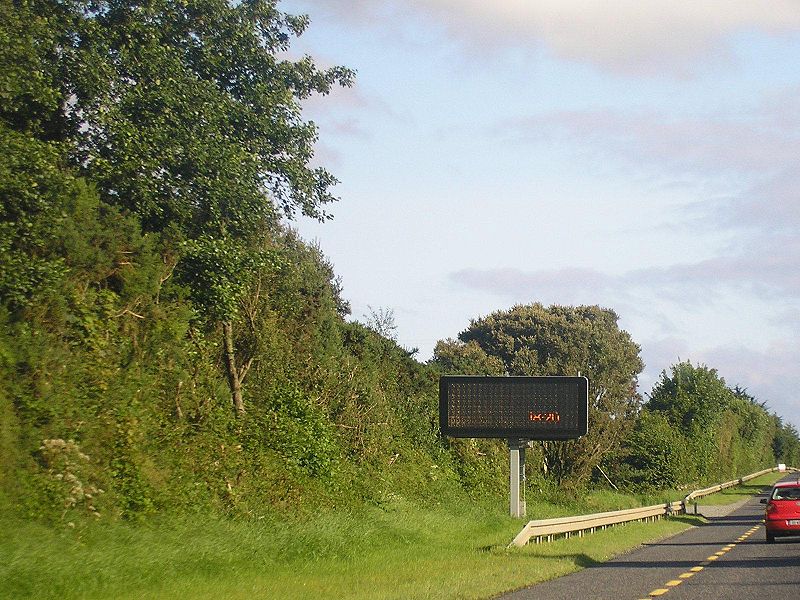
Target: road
726 559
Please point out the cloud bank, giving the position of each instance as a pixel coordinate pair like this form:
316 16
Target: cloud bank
631 37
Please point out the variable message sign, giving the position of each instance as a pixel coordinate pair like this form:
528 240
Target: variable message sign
530 408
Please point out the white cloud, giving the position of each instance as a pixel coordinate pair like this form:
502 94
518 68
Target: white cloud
626 36
756 144
647 37
766 272
745 164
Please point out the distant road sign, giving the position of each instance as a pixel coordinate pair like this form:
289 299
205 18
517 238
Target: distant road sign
531 408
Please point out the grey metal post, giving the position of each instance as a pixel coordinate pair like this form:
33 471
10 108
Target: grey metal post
516 468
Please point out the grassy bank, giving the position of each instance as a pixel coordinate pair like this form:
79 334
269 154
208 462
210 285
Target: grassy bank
396 551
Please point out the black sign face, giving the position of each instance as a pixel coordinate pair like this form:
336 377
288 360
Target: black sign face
532 408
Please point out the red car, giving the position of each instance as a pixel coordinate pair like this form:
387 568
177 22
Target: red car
782 515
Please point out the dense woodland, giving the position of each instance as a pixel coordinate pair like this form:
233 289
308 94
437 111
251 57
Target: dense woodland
168 343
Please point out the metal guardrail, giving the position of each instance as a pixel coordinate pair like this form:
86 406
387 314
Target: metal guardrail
721 486
547 528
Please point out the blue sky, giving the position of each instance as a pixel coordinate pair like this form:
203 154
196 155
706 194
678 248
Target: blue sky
642 156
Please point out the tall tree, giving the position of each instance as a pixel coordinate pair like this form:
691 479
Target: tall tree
35 189
691 397
454 357
188 115
563 340
786 443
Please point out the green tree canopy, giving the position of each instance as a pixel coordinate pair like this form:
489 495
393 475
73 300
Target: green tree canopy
695 429
185 114
454 357
691 397
786 443
560 340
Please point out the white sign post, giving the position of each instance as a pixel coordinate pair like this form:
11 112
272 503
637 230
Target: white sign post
516 470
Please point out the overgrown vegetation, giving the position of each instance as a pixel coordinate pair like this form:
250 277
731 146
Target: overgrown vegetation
169 345
694 429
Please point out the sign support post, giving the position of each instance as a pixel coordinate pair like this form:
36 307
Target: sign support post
516 450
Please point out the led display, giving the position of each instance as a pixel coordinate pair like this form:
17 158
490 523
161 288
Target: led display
532 408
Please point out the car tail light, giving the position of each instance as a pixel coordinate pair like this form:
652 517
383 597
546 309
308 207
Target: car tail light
771 507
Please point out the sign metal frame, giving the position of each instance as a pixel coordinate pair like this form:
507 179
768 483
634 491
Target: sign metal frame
524 408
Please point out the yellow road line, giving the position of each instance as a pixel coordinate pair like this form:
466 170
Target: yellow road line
696 569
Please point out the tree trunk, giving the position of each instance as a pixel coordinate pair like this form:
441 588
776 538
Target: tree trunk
235 377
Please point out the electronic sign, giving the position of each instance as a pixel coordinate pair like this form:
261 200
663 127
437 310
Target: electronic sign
531 408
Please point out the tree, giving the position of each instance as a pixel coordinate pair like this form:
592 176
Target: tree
563 340
691 397
188 117
723 432
654 455
34 188
454 357
31 94
34 193
786 443
185 114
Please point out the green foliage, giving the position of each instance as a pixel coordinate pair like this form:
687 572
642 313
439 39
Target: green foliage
656 455
691 397
482 465
149 153
459 358
696 430
34 193
185 114
14 459
559 340
219 271
123 366
299 431
786 442
30 95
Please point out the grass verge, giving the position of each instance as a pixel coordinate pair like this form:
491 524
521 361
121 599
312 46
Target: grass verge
400 550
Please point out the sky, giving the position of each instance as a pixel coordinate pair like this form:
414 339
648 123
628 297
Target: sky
638 155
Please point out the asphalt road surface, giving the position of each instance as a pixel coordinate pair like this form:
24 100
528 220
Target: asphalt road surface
727 559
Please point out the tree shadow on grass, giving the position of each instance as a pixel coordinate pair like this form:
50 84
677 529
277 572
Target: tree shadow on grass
578 559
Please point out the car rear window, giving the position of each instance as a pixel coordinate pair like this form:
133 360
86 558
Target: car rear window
792 493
